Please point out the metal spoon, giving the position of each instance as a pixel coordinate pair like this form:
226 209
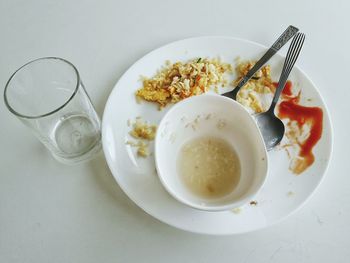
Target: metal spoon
271 127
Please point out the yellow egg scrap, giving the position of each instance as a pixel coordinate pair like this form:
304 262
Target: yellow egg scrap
175 82
143 133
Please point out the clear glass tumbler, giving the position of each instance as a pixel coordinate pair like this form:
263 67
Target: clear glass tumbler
48 96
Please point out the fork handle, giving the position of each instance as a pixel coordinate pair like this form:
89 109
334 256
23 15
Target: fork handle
280 42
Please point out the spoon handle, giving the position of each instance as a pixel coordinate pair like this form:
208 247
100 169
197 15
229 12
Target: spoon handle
283 39
292 56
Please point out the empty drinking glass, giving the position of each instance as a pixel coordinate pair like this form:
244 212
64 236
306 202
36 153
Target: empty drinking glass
48 96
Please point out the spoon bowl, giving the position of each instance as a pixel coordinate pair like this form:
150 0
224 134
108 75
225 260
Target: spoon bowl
271 128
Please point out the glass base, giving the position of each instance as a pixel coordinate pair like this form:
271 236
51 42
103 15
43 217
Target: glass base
87 156
76 138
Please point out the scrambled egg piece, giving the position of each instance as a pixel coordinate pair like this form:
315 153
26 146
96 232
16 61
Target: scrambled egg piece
149 94
260 83
142 132
178 81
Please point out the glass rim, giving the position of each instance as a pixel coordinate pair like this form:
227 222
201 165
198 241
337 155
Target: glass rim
12 110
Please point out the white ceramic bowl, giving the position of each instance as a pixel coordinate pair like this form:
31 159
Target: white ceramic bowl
202 116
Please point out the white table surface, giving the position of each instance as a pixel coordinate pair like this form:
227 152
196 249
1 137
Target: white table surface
50 212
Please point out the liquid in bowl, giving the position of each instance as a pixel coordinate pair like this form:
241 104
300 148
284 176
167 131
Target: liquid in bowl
209 167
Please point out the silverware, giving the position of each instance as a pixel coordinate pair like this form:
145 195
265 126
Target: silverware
283 39
271 127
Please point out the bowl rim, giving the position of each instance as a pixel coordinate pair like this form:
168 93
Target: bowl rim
185 201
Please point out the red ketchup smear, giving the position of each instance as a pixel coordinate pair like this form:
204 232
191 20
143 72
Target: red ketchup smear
290 109
287 90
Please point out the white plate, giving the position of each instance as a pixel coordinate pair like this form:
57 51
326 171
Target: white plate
283 192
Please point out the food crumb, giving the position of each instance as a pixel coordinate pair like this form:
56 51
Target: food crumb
196 119
141 131
131 143
253 203
290 194
221 124
142 148
237 210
